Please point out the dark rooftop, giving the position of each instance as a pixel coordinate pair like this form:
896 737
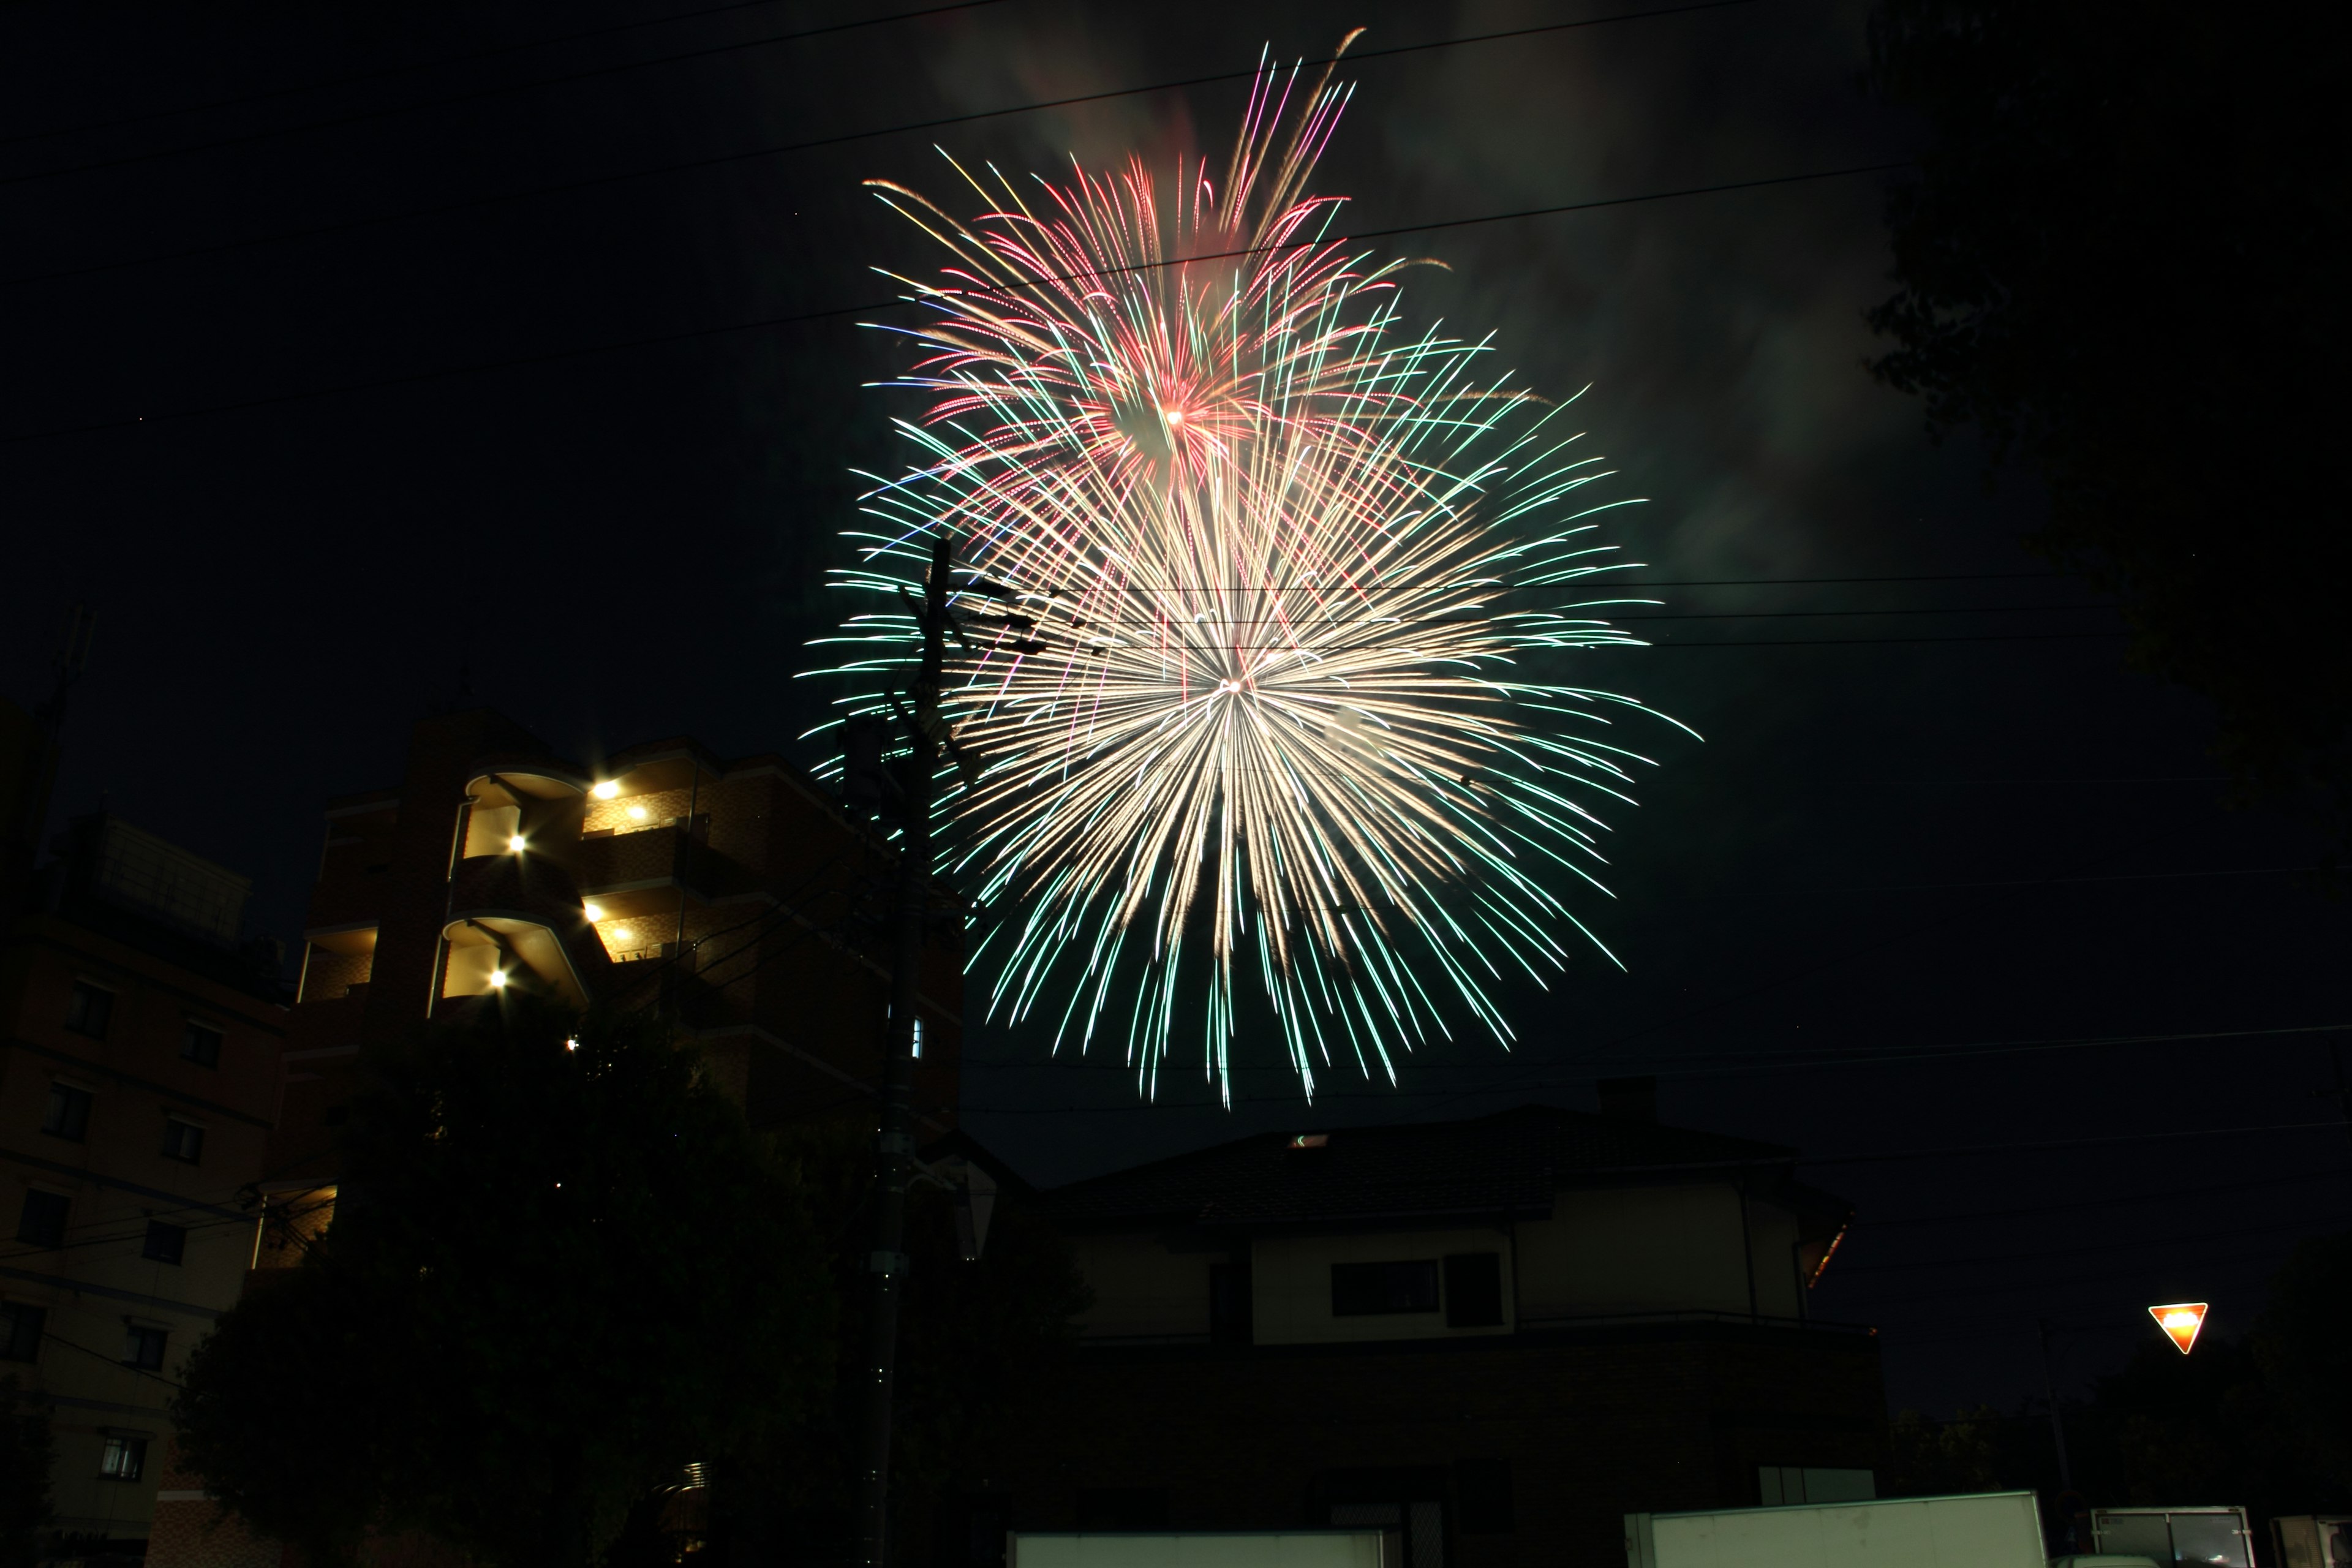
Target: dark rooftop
1510 1163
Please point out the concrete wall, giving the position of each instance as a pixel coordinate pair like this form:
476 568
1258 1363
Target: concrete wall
1635 1250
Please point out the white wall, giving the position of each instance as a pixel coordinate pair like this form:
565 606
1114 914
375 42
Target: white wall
1142 1288
1290 1284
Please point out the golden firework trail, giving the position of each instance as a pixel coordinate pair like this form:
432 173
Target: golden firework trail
1285 580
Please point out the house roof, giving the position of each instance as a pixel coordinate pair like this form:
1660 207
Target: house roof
1509 1162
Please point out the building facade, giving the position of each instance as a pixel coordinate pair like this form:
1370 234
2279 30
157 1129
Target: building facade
733 896
139 1083
1494 1337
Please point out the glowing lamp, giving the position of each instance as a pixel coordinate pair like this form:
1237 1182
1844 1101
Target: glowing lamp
573 1044
497 979
2180 1321
515 843
606 789
592 912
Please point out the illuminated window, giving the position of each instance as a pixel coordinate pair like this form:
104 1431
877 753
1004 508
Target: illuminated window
125 1459
89 1009
68 1112
201 1044
20 1331
144 1346
42 1221
165 1243
918 1039
183 1141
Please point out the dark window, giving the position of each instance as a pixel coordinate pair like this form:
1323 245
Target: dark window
1123 1507
125 1459
1483 1489
1229 1303
1360 1289
20 1331
43 1220
1474 1290
91 1007
183 1139
68 1112
200 1044
165 1243
144 1346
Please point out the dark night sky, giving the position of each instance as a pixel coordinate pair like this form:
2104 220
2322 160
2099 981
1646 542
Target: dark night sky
1892 850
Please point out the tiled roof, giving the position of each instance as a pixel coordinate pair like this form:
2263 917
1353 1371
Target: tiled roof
1512 1162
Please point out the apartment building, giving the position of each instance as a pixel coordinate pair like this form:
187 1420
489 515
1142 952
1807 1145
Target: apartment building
139 1081
1494 1337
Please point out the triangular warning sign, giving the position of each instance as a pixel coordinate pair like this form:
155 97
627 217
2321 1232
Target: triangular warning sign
2180 1321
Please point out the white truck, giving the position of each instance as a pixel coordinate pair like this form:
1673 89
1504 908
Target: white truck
1980 1530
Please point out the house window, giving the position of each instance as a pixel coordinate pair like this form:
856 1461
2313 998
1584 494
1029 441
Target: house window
183 1139
1474 1290
68 1112
125 1459
42 1221
1363 1289
20 1331
90 1008
144 1347
165 1243
200 1044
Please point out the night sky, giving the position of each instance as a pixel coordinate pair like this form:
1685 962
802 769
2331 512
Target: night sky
1938 845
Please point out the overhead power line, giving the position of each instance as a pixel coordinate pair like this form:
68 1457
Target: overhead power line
1969 1151
595 182
385 73
657 340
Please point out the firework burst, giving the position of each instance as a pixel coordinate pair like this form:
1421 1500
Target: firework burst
1291 576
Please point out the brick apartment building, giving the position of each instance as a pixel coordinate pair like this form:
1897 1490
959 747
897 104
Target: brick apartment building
1494 1337
139 1080
734 895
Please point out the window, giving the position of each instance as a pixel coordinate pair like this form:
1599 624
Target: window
183 1139
43 1220
1361 1289
90 1008
165 1243
144 1346
125 1459
20 1331
1474 1290
201 1044
68 1112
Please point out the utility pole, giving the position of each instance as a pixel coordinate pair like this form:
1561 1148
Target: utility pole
2057 1422
894 1148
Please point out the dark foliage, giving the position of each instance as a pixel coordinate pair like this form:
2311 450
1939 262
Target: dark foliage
972 1335
2123 263
25 1456
555 1276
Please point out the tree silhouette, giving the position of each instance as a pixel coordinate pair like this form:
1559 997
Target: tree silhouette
2122 263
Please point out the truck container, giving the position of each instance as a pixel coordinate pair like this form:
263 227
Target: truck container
2216 1537
2312 1540
1978 1530
1205 1548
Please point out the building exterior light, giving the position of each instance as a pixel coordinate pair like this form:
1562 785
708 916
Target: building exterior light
573 1044
592 912
606 789
515 843
497 979
2180 1321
